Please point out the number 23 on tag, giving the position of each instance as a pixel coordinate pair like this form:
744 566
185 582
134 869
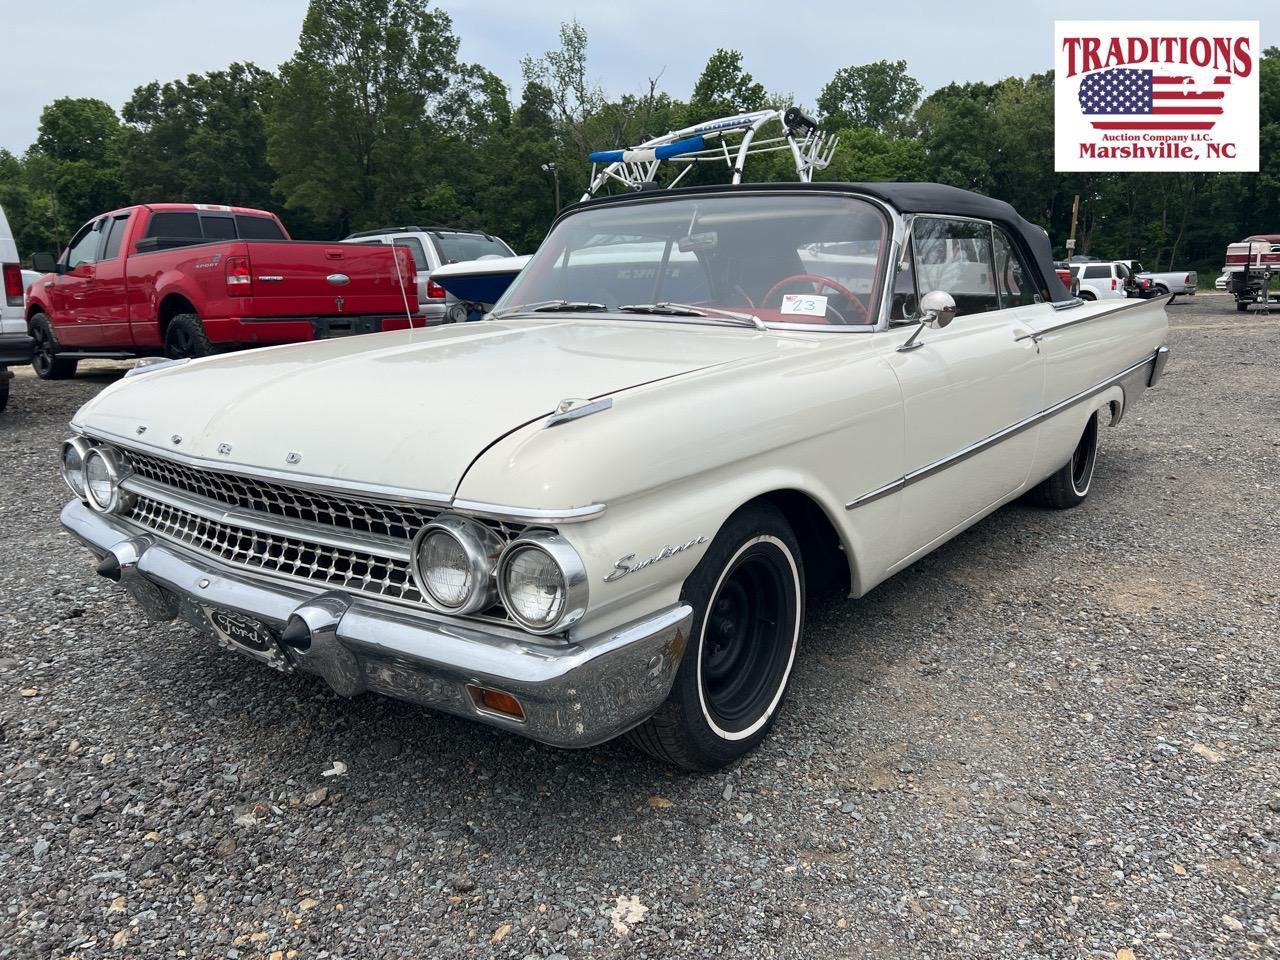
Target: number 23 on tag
804 304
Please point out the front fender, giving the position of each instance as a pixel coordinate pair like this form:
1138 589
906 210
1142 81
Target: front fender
673 460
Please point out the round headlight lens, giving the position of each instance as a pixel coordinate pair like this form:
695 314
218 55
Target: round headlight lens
534 587
444 568
98 481
73 466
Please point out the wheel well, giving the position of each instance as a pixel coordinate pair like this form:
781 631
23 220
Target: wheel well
826 563
170 307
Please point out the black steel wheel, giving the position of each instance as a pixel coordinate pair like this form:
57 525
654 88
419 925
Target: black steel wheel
1069 486
747 594
45 361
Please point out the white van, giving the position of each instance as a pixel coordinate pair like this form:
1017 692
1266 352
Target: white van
15 345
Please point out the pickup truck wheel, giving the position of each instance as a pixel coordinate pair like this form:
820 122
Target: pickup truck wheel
185 337
747 595
46 362
1242 306
1069 486
4 388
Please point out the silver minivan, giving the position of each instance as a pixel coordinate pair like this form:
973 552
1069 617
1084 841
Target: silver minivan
15 344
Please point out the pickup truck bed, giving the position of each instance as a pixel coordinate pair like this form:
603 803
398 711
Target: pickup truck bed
140 281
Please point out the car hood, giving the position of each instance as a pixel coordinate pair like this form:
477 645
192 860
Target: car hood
409 409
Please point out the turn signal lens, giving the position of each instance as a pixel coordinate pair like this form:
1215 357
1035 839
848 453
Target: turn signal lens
496 701
239 280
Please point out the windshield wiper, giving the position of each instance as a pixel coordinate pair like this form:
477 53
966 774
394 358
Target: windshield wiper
550 306
669 309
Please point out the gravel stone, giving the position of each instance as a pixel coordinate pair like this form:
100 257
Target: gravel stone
1014 720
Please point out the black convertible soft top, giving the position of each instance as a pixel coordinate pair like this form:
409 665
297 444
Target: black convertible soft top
908 198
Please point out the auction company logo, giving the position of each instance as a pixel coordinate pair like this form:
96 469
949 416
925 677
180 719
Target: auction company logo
1156 95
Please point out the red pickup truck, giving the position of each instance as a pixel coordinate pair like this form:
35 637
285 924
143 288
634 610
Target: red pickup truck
189 279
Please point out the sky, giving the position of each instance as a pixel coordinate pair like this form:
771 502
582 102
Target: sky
93 49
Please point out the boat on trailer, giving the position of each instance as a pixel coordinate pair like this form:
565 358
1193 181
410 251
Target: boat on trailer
731 141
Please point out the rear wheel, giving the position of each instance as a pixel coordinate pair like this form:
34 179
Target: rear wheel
747 595
1242 306
186 337
4 388
1069 486
45 361
1087 295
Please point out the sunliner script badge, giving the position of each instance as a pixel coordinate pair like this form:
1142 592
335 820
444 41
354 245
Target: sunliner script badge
624 565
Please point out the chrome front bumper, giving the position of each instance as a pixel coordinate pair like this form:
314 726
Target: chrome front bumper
573 694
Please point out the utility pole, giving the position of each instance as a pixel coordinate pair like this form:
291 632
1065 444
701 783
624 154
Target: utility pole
1075 213
555 173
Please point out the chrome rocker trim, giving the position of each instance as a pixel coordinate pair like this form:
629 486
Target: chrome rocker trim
576 694
1129 379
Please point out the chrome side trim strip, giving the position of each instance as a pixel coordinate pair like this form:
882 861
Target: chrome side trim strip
500 511
1098 316
568 411
929 469
294 529
309 481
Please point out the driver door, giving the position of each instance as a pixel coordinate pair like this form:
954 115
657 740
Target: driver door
967 383
72 290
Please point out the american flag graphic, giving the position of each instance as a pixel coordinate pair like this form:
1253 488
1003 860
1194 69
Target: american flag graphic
1146 100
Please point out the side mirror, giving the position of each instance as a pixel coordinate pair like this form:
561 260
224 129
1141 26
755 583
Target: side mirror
938 309
43 263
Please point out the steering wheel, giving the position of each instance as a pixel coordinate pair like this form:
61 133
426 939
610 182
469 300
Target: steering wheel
820 283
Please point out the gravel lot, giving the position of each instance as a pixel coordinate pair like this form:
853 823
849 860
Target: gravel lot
1054 737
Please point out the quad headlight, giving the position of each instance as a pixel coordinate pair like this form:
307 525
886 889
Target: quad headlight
102 475
453 564
542 582
73 454
462 567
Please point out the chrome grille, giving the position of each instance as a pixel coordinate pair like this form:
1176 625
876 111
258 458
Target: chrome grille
345 569
255 539
400 521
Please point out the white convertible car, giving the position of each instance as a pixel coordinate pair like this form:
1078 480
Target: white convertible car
597 511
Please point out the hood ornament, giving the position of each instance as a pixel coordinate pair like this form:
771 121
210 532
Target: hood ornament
293 457
574 409
224 449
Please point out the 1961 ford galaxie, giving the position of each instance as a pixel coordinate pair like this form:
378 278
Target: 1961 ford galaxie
596 512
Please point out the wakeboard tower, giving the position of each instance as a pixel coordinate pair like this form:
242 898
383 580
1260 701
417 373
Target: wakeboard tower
728 140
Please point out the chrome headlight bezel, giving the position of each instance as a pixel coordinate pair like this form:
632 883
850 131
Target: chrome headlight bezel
573 574
118 499
481 547
82 447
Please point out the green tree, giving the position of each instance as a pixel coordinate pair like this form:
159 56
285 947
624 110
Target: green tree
880 95
353 129
202 139
76 161
723 88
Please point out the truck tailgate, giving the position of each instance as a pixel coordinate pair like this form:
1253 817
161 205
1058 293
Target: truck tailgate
299 278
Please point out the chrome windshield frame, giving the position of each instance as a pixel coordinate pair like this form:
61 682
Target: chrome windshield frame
879 305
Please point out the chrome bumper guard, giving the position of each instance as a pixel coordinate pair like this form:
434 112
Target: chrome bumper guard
575 694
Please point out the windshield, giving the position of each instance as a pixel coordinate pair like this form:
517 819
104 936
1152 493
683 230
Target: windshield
783 258
459 247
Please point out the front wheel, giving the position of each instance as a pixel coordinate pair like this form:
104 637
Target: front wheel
1069 486
45 361
747 594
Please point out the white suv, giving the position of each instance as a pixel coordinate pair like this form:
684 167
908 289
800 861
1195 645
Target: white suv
1103 280
433 247
15 345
